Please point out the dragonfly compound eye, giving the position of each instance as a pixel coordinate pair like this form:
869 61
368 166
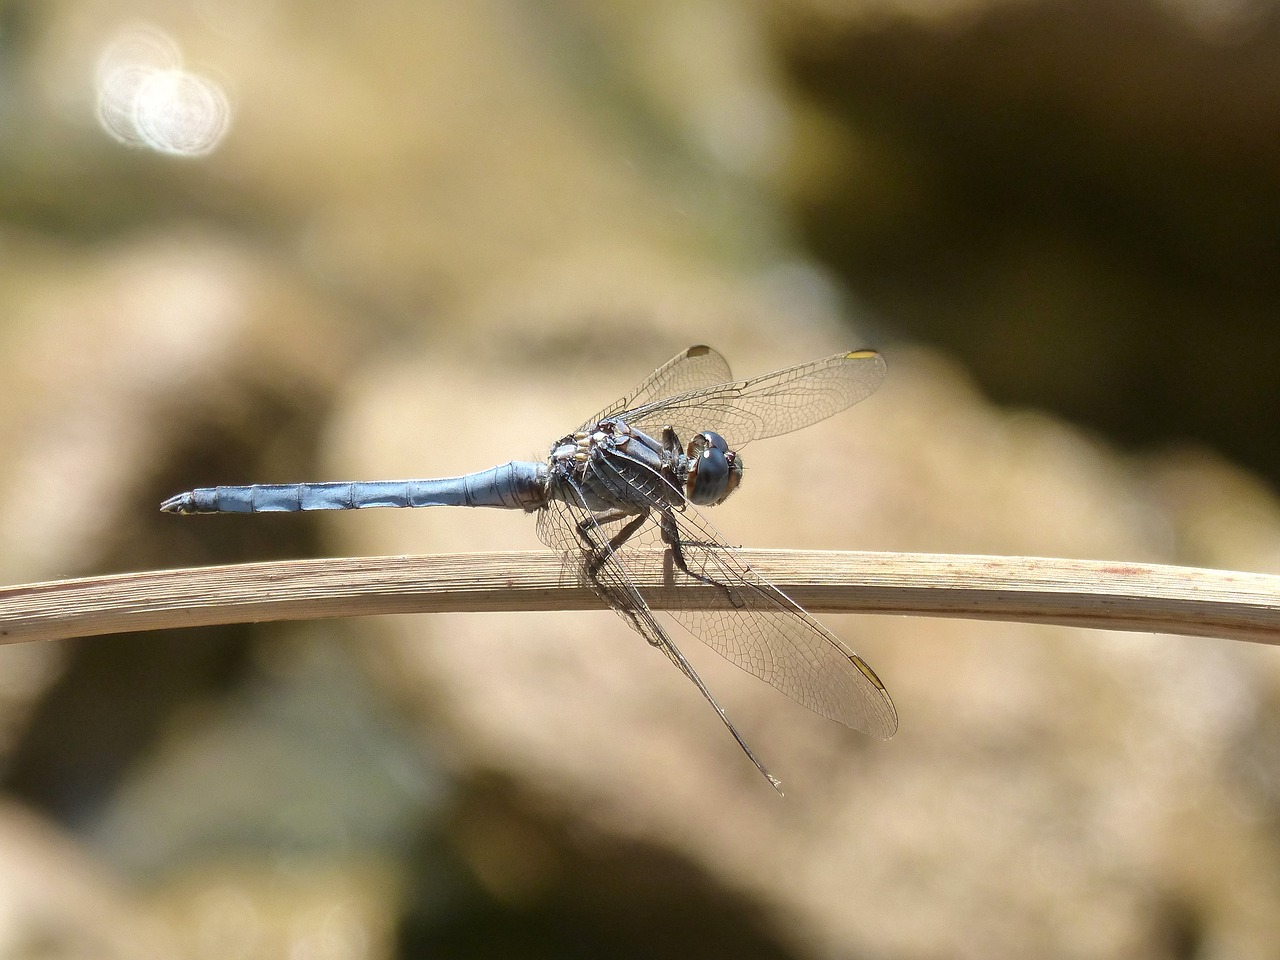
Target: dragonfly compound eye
714 470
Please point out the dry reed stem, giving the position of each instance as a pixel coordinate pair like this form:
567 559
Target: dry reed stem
1085 593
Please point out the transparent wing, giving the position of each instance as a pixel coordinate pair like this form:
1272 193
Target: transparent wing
754 625
686 372
776 403
573 531
770 636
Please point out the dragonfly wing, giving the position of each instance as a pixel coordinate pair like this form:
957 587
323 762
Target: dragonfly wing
770 636
688 371
766 406
558 527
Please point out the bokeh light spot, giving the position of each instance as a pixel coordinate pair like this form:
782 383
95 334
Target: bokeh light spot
147 99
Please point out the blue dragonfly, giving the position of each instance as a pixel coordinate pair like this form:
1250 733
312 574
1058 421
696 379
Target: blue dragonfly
629 481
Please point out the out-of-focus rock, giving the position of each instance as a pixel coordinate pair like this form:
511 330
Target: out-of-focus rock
1076 199
115 362
57 902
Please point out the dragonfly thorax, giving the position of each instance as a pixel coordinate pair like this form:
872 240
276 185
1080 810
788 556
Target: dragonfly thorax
614 466
714 471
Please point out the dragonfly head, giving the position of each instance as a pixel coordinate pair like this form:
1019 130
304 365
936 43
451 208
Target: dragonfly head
714 470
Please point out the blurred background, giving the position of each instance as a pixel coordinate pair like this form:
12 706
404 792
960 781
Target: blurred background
267 240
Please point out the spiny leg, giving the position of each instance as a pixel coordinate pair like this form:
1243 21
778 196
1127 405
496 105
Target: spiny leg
671 537
600 552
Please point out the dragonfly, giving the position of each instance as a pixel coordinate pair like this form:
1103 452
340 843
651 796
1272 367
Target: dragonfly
629 482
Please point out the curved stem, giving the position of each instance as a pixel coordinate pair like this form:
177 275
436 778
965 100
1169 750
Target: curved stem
1086 593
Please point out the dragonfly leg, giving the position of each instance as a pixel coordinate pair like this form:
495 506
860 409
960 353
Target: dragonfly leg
600 552
671 443
671 537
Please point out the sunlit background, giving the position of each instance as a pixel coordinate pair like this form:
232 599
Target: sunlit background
267 240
